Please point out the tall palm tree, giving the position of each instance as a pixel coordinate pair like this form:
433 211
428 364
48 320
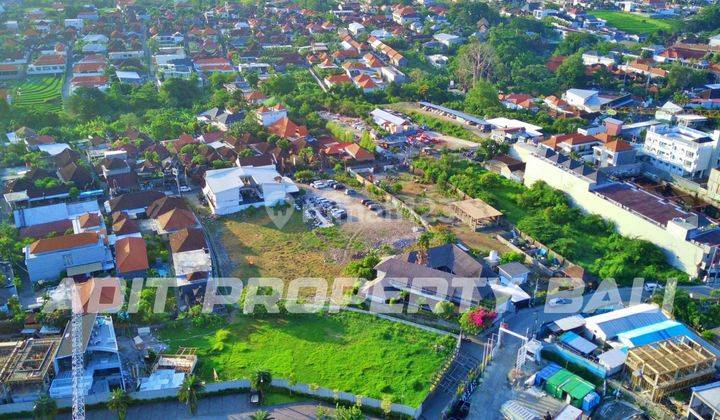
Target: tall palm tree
189 390
45 407
119 402
261 415
260 380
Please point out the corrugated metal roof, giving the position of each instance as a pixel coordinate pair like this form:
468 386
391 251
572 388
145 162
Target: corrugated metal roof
652 333
578 343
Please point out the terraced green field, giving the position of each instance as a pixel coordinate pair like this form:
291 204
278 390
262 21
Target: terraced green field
636 24
40 92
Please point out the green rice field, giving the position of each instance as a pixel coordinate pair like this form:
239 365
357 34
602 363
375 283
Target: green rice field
634 23
40 92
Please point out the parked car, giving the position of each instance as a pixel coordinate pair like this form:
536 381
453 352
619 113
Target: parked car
365 201
320 184
652 287
559 302
338 186
349 191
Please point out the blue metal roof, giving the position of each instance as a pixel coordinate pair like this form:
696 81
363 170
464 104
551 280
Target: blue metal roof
613 327
653 333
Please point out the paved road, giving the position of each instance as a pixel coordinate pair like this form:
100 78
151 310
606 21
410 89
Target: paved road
217 407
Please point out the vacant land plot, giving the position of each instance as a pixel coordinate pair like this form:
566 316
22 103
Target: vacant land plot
40 93
636 24
349 352
429 200
258 247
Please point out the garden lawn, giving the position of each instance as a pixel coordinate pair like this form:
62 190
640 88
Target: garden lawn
636 24
348 352
40 93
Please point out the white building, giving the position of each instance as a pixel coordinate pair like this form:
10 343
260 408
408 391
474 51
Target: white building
607 326
103 368
592 101
447 40
268 116
592 57
682 150
231 190
356 28
390 122
715 41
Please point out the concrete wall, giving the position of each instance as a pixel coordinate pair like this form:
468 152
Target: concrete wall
681 254
237 385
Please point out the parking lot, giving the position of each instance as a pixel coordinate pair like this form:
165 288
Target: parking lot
376 227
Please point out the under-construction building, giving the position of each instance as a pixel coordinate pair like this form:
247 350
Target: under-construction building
26 368
103 370
170 370
663 367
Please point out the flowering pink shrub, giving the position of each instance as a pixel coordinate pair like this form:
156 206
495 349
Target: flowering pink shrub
476 319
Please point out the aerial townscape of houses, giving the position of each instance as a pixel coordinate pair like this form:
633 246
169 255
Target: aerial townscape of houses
411 147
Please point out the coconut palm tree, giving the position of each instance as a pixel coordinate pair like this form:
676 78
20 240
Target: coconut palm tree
45 407
189 390
260 380
261 415
119 402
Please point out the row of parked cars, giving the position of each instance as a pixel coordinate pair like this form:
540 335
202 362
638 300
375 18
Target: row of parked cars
372 205
322 208
329 183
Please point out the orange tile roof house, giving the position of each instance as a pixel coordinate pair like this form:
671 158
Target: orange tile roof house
175 219
358 153
131 257
75 254
287 129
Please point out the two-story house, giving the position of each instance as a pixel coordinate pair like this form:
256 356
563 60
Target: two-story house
75 254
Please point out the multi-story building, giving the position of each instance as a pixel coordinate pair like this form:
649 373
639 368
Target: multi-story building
234 189
614 153
681 150
103 368
76 254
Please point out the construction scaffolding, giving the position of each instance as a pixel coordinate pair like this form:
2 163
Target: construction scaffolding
183 361
667 366
26 364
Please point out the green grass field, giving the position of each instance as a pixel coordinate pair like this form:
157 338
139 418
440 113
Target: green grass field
636 24
349 352
40 92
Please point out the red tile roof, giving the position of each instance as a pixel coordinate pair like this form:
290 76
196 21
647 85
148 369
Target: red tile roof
176 219
63 242
131 255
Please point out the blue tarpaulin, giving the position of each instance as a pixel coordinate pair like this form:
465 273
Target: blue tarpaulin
653 333
542 376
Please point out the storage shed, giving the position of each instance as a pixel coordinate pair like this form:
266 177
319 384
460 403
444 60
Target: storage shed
574 389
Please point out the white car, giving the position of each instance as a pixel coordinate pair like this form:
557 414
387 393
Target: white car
185 188
320 184
652 287
559 302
